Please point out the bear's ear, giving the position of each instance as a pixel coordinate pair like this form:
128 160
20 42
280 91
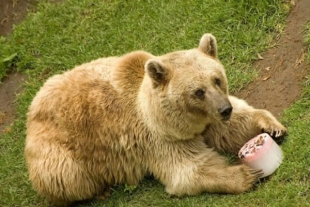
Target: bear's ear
157 71
208 45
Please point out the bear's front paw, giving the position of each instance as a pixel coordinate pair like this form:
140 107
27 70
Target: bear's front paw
245 178
242 178
269 124
275 129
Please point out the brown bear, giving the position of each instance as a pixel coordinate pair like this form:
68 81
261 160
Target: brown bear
115 120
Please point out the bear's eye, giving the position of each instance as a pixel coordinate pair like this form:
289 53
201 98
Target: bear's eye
218 81
200 93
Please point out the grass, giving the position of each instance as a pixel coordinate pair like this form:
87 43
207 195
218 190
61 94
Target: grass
59 36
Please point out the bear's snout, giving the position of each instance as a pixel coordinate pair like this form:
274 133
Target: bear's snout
225 111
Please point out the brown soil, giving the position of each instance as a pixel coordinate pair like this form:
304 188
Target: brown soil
10 86
281 71
12 12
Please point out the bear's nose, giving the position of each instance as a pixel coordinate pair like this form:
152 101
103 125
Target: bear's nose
225 111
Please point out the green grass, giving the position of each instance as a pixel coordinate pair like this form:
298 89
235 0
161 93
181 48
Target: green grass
59 36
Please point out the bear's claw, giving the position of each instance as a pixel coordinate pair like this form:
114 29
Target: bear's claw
275 132
271 125
257 173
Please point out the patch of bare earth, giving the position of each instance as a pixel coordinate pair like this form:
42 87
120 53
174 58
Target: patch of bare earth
283 68
11 12
10 86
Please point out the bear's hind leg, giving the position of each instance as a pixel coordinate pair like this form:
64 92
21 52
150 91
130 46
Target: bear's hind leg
59 178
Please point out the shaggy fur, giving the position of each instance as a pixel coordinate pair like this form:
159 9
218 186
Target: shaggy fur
116 119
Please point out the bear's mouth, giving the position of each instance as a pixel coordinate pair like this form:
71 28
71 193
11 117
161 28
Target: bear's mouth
226 118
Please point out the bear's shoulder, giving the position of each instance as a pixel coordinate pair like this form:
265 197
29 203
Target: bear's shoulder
129 71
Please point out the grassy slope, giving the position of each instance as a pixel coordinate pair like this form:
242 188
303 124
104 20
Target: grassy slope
60 36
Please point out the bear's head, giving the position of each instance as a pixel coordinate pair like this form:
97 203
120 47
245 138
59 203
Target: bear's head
182 92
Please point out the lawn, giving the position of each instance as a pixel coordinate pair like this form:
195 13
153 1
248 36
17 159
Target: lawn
59 36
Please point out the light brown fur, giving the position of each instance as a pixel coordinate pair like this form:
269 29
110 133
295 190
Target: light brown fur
116 119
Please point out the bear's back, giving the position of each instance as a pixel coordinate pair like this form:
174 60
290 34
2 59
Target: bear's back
92 99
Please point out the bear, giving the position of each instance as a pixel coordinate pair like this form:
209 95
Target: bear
115 120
